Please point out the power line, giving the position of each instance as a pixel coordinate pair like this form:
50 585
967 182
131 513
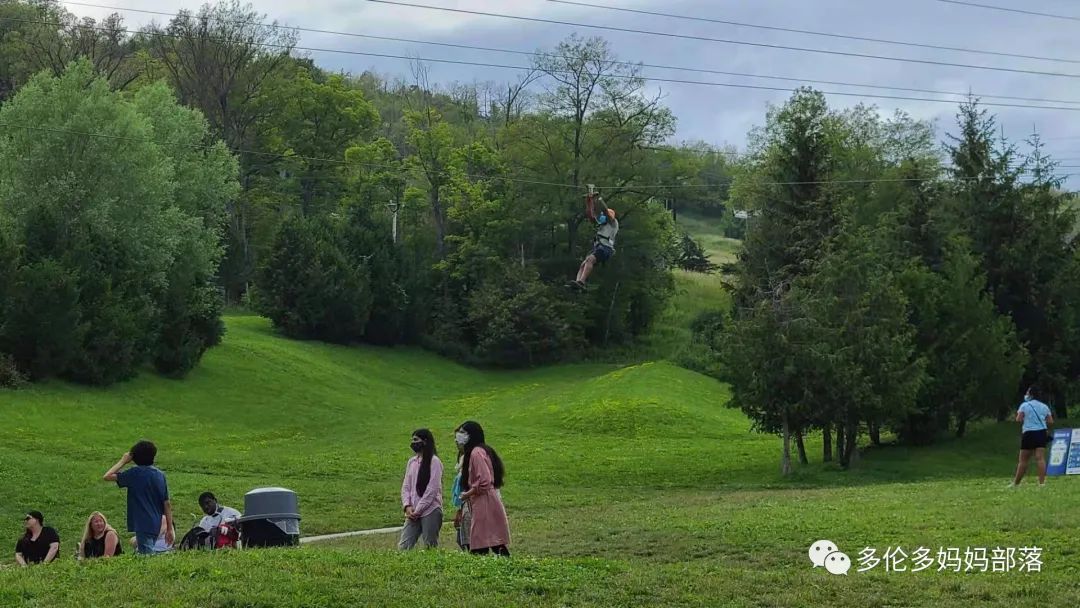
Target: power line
529 68
700 82
112 137
1010 10
811 32
722 40
612 62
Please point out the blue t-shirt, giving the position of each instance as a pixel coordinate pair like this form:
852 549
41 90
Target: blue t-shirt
147 493
1035 413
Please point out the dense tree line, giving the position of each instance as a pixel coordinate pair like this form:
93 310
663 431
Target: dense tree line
890 284
343 207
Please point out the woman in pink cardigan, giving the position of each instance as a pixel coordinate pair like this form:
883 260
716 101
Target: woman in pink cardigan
481 478
421 493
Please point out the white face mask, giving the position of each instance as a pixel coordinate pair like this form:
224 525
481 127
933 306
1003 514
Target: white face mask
461 438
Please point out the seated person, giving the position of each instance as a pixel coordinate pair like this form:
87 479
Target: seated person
99 538
161 545
40 544
215 513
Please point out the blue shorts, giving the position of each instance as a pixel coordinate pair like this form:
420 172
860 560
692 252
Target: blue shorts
602 253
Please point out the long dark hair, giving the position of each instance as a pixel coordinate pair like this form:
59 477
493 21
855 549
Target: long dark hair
426 454
476 439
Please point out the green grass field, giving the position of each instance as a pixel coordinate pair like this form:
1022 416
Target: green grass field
707 232
669 337
626 485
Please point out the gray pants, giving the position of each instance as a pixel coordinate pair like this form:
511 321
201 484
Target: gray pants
427 526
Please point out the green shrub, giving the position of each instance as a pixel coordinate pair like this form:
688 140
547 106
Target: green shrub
518 320
10 374
310 288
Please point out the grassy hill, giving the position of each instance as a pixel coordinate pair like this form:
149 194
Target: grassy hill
669 337
707 232
626 485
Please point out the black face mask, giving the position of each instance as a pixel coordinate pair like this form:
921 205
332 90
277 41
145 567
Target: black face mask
417 446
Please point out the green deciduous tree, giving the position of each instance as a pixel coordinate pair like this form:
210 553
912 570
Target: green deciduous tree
113 206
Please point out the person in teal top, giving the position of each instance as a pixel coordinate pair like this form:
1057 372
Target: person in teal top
463 517
1035 418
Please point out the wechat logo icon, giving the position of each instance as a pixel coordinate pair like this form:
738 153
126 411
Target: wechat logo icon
824 553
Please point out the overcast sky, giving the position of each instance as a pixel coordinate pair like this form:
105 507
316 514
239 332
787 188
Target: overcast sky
722 115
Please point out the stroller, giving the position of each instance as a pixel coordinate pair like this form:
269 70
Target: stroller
222 536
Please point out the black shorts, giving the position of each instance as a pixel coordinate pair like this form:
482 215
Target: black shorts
602 253
1031 440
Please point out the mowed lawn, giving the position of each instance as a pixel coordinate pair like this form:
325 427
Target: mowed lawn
626 485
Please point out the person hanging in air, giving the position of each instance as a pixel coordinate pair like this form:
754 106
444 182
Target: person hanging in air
604 242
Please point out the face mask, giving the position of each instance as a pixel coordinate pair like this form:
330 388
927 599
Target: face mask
602 219
417 446
461 438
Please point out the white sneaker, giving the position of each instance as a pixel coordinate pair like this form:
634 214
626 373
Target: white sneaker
1012 485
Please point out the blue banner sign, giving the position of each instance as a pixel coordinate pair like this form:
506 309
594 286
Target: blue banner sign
1058 462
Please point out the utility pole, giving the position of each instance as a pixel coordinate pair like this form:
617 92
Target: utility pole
394 208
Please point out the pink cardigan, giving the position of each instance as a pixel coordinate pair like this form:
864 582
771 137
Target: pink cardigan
432 498
490 527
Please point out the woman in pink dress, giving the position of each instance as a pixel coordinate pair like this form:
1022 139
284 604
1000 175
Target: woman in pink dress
481 478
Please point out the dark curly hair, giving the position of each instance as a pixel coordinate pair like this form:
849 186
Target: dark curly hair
144 453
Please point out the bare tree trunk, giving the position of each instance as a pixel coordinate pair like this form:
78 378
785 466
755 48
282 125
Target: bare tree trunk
611 309
875 432
801 445
307 195
826 438
840 445
785 461
440 223
849 445
853 450
961 426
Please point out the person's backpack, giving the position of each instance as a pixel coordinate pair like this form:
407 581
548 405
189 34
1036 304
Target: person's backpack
221 537
196 538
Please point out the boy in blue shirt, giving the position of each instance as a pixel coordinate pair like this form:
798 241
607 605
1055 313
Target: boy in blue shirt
147 497
1036 419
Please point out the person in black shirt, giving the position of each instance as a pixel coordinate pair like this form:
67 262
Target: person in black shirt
40 544
99 538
